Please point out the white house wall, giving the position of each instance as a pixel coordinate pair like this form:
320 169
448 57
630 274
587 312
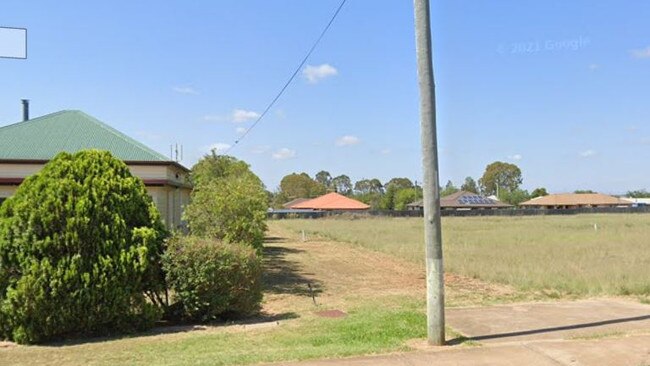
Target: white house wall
19 170
149 171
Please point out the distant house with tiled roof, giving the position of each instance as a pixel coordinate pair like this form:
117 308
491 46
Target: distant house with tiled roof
25 147
575 200
331 202
463 200
293 202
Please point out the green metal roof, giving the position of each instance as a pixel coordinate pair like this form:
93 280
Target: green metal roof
43 137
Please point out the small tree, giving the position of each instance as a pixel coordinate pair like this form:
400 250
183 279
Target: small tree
365 186
538 192
641 193
387 201
229 201
399 183
504 177
342 184
449 188
324 177
300 186
406 196
469 185
515 197
80 246
232 209
372 199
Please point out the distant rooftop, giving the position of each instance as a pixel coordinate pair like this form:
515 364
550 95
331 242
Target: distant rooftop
464 199
296 201
43 137
576 199
331 201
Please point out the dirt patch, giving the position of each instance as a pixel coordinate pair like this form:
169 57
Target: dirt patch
302 275
463 291
331 314
7 344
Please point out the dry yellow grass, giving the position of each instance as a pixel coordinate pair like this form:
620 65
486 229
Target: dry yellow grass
555 255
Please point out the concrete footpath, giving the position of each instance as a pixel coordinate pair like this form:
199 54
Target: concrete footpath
590 332
552 320
628 351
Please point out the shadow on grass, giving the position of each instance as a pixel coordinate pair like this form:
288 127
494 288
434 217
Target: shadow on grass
274 239
285 276
174 328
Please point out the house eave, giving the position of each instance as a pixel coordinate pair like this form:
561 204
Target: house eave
127 162
147 182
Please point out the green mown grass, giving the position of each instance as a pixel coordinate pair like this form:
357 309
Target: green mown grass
369 328
557 255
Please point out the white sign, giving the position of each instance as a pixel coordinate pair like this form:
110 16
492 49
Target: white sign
13 42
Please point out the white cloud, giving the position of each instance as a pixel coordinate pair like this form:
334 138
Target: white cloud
219 147
237 116
593 67
515 157
347 140
385 151
260 149
588 153
242 115
641 53
314 74
185 90
283 154
241 130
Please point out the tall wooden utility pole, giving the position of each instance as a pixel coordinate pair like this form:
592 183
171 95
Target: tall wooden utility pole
432 236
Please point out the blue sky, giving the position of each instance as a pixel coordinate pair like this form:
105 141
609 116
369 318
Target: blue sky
559 88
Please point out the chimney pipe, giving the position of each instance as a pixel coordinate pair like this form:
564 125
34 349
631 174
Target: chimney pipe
25 109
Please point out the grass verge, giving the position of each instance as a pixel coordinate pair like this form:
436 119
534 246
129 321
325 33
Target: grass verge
367 329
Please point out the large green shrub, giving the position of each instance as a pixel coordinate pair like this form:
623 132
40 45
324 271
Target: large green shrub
232 209
80 246
210 279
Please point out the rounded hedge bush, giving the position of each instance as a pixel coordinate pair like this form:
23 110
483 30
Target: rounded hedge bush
80 247
211 280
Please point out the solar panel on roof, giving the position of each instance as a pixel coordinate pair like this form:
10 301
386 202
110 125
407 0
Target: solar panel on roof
475 200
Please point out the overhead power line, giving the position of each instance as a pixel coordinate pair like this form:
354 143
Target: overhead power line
293 76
